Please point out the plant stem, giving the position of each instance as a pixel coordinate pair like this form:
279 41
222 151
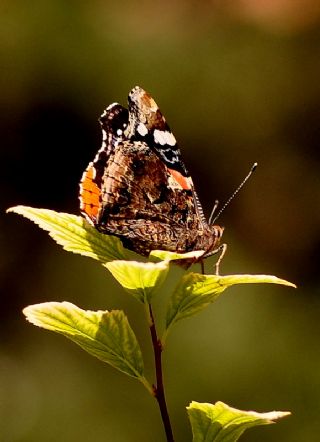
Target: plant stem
159 387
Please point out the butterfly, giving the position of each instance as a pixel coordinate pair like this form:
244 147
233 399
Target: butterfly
138 188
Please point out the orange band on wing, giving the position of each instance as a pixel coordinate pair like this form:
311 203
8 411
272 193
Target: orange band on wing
185 182
89 194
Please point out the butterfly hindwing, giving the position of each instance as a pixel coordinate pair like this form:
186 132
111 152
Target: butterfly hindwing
113 121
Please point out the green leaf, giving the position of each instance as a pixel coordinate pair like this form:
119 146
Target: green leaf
105 335
164 255
196 291
74 233
141 279
221 423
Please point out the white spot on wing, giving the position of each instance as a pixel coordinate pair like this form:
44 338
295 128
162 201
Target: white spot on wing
169 160
164 137
119 132
142 129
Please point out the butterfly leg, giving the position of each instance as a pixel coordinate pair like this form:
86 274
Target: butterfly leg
222 249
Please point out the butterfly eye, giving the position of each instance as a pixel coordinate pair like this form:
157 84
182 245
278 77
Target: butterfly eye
218 231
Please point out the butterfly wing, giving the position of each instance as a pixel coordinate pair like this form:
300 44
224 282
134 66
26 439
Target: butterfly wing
138 188
113 121
143 204
146 123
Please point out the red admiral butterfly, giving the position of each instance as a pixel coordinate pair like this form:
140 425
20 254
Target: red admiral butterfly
138 188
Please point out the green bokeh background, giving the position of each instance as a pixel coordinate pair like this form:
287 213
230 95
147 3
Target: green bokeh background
238 83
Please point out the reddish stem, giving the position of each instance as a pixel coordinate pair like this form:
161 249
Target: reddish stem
159 387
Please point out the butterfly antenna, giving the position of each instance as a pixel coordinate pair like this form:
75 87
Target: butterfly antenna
212 221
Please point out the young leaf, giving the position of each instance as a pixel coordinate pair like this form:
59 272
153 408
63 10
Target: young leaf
196 291
164 255
74 233
141 279
221 423
105 335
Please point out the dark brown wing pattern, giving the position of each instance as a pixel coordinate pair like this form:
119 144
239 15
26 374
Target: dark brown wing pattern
137 190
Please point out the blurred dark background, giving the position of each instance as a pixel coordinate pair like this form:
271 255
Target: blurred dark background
238 82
